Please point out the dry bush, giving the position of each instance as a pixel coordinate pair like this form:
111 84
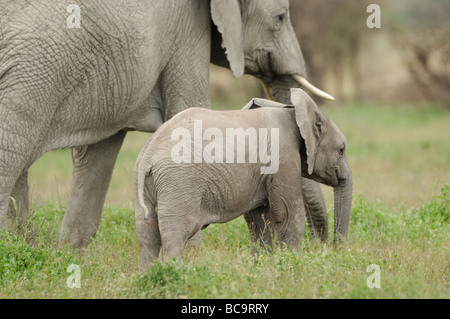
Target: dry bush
427 56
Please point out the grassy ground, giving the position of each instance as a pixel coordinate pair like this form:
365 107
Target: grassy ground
400 157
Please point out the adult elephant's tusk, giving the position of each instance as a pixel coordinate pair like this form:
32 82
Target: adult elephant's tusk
303 82
268 91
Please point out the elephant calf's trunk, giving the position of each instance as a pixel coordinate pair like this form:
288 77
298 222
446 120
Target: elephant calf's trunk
342 209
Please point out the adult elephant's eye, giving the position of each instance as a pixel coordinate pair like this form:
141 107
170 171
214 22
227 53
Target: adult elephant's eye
319 127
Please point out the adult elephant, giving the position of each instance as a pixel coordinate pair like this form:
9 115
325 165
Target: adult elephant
82 78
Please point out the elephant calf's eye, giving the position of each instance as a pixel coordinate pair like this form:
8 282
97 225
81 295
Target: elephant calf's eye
342 150
282 17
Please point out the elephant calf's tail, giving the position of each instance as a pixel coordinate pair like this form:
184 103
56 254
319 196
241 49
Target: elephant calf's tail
141 176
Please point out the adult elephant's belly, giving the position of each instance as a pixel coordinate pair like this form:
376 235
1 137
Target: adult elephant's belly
81 137
98 112
82 126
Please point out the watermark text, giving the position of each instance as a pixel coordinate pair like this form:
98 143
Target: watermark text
240 146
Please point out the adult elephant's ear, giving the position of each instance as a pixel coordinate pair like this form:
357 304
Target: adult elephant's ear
308 120
226 15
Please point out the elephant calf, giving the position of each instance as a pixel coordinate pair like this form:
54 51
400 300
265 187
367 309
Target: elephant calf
205 166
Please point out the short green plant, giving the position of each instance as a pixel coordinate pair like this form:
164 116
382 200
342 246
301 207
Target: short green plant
409 245
436 211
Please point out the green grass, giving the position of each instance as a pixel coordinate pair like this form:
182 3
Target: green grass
400 158
411 247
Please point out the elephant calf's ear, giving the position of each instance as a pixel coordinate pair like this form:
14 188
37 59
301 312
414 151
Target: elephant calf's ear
305 111
251 105
257 103
226 15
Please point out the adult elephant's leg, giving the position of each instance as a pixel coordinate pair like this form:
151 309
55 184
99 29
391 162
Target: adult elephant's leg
19 209
92 170
18 150
316 210
9 218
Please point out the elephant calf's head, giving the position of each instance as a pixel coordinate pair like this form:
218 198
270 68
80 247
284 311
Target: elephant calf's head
324 156
324 144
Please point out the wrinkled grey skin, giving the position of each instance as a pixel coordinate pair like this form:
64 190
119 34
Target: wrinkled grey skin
131 66
175 200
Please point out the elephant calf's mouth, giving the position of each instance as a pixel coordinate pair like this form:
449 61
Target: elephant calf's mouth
326 177
341 180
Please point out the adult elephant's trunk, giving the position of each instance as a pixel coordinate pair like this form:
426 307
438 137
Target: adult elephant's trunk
342 208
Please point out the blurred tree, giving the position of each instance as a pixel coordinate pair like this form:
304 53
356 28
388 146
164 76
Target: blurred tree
333 35
428 60
330 35
421 30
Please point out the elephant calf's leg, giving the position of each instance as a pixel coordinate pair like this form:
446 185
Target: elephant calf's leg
149 236
176 229
287 208
260 225
195 241
173 243
92 171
